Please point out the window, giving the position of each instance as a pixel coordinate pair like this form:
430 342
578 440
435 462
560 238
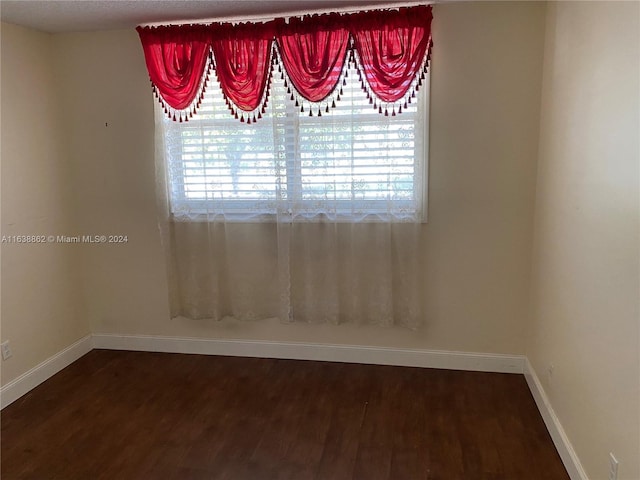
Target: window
349 164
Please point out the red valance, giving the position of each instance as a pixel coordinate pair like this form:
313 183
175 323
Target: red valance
390 49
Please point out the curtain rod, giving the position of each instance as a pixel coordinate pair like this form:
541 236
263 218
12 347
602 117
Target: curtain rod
290 14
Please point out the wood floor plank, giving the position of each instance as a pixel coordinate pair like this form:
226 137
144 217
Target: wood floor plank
135 415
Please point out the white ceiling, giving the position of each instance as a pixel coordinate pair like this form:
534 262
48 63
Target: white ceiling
56 16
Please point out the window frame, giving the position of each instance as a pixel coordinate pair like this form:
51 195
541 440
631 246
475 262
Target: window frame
206 216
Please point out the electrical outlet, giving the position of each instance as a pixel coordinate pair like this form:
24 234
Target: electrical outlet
613 467
6 350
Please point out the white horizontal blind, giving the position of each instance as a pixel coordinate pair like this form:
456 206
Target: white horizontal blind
351 164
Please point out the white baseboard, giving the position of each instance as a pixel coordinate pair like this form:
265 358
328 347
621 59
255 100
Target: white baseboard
45 370
558 435
322 352
481 362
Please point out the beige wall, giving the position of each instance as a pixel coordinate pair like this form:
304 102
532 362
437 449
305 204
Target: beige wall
485 103
41 305
585 287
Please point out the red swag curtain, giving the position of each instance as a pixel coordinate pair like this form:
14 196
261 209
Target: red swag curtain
243 63
313 52
176 58
390 49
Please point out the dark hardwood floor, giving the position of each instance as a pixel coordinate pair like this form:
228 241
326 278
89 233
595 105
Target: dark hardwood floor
132 415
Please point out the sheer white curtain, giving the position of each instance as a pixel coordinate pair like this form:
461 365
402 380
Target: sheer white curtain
303 218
